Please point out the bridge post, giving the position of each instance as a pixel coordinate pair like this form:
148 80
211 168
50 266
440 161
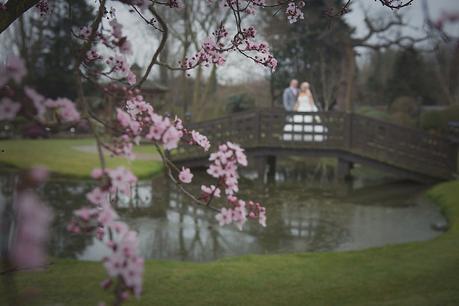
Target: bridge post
343 169
264 163
348 130
271 162
260 164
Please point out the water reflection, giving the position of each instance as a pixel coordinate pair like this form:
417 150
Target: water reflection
300 219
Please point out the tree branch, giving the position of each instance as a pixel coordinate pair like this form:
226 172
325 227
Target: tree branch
14 9
162 44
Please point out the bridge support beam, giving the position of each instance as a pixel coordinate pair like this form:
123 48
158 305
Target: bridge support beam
266 168
343 169
271 163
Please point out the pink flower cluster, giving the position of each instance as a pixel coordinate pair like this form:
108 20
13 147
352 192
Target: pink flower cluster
43 7
119 179
294 11
185 175
114 40
64 108
8 109
200 140
243 6
118 64
119 40
123 262
240 211
175 3
13 69
140 120
214 49
224 166
33 219
446 18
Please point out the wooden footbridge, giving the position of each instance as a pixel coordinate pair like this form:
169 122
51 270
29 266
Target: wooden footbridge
351 138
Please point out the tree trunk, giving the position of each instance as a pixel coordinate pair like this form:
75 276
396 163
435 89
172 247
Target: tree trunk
346 84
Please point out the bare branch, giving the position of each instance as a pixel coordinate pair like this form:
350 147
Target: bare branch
14 9
162 44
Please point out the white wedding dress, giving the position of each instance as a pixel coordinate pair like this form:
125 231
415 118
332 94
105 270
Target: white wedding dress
304 127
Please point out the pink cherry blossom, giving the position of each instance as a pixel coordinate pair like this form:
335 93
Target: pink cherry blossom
121 180
106 215
224 165
175 3
39 174
14 68
294 12
123 118
97 196
211 191
33 219
158 128
65 109
124 262
38 101
43 7
171 138
117 28
200 140
97 173
185 175
225 216
8 109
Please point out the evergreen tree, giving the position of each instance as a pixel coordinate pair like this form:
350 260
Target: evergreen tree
48 46
312 50
410 77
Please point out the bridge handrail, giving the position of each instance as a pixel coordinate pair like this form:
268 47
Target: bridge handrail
386 142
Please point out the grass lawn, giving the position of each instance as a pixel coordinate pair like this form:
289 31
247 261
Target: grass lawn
421 273
72 157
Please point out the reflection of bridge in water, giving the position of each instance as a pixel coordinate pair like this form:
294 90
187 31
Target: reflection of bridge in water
171 228
351 138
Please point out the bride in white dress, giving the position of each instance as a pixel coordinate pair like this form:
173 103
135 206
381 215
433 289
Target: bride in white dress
304 127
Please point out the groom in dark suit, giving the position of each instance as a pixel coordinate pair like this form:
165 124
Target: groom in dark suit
290 96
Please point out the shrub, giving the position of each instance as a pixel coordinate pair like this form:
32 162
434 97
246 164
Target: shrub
240 102
406 105
438 120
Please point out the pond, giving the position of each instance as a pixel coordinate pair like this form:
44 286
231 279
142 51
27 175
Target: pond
304 215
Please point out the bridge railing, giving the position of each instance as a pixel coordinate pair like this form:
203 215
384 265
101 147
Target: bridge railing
403 147
301 129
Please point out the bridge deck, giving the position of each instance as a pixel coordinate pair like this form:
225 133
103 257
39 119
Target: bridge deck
268 132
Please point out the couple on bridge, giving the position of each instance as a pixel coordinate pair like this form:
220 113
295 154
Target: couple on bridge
301 127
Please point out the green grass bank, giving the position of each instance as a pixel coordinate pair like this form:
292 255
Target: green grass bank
420 273
72 157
